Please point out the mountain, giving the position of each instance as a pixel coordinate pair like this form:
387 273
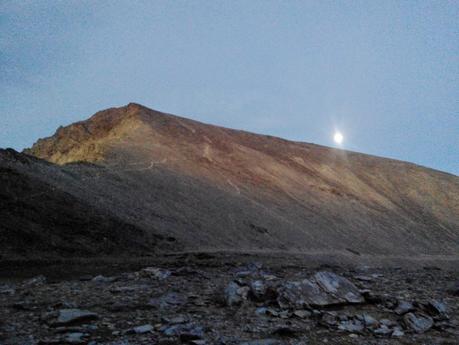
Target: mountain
150 182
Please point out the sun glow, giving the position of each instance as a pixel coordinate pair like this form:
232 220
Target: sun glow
338 138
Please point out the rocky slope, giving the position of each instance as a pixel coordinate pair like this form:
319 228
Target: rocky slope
193 186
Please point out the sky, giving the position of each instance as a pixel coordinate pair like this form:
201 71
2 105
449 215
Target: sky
384 73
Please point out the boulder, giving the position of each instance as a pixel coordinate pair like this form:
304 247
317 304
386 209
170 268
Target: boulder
303 294
418 322
340 287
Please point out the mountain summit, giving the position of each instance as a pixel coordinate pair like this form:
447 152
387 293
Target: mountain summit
201 187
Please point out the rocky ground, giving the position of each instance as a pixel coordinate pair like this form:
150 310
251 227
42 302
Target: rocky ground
234 303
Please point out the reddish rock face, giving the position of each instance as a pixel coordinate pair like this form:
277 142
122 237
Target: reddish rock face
212 188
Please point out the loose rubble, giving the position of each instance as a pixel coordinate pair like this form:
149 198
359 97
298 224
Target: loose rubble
235 304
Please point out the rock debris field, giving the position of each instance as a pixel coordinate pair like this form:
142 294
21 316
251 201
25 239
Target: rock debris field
238 303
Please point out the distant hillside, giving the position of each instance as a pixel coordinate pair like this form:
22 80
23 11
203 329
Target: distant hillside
192 186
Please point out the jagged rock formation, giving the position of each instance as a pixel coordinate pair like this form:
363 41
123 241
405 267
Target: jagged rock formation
193 186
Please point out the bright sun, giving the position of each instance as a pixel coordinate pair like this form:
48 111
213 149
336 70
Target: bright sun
338 137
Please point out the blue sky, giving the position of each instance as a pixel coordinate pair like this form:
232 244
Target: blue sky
385 73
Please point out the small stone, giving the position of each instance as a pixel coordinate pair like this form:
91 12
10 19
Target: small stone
168 300
435 308
186 332
74 316
198 342
258 289
103 279
35 281
352 326
262 342
302 314
75 338
403 307
329 319
154 272
387 322
382 330
398 333
235 294
369 321
176 319
7 291
142 329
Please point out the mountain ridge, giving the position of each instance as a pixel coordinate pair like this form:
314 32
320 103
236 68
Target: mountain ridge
214 188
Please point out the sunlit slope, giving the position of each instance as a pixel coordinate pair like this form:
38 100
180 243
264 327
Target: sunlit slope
210 187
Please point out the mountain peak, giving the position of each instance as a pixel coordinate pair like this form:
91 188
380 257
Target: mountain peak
84 140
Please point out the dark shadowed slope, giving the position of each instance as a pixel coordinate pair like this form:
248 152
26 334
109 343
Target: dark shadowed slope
210 188
40 219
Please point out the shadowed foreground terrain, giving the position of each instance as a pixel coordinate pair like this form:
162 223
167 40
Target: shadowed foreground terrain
140 227
231 300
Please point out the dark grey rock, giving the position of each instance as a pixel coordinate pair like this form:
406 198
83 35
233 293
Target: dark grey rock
7 291
403 307
303 294
185 332
339 287
397 333
267 311
102 279
176 319
140 329
155 272
388 323
76 338
263 342
369 321
329 319
258 290
352 326
168 300
382 330
74 316
436 308
35 281
418 322
235 294
302 314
